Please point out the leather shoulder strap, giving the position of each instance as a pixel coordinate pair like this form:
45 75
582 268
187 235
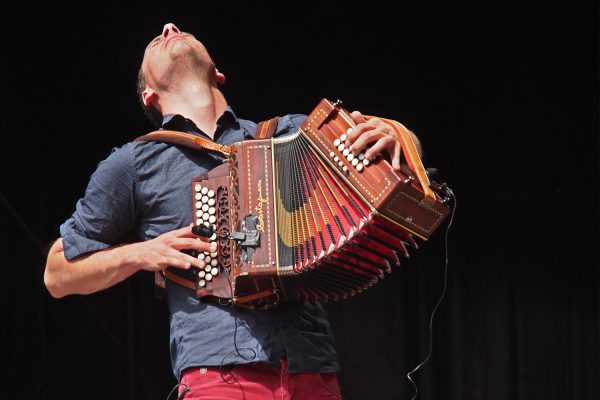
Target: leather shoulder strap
187 140
266 129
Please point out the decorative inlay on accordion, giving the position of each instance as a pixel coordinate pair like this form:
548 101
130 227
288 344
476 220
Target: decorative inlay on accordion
303 218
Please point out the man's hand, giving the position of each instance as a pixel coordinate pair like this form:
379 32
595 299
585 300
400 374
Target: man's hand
101 269
165 250
375 136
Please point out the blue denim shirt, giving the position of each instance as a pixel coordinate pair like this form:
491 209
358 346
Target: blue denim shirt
144 187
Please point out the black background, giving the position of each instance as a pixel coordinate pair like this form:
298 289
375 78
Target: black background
504 98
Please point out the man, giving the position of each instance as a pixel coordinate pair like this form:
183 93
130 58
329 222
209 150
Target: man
288 352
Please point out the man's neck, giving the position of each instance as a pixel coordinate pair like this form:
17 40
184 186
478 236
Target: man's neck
202 105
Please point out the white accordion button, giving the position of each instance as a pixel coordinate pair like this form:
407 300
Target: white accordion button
201 274
346 152
198 187
337 142
202 283
207 260
349 131
214 263
204 190
343 137
198 204
199 213
214 255
211 202
205 199
199 221
208 277
331 154
197 196
201 256
211 193
341 147
212 219
205 207
214 271
213 238
211 210
366 162
361 156
359 167
350 157
355 162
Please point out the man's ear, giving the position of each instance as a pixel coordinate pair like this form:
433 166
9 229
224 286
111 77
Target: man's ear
148 97
220 77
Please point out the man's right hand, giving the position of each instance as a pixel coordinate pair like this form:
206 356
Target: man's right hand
166 250
95 271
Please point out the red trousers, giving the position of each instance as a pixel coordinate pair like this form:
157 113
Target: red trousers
259 381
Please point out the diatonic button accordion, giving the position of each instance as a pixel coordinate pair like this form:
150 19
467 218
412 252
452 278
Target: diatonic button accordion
302 217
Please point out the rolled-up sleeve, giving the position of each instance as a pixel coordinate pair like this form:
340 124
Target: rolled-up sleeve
107 211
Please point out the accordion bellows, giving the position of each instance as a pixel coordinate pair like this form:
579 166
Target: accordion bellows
304 218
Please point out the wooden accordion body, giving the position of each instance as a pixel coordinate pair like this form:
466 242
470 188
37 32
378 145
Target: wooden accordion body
302 218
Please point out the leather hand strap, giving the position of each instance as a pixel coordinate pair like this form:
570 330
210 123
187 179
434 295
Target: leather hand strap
409 149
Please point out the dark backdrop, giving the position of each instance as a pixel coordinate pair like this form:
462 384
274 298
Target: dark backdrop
505 100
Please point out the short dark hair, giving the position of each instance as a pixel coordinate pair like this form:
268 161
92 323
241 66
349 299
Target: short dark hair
151 112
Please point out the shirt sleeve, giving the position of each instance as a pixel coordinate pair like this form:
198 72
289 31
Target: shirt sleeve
107 210
289 124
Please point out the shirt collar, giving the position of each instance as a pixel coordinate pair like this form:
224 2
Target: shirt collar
178 122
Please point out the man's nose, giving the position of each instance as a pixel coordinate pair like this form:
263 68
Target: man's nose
169 29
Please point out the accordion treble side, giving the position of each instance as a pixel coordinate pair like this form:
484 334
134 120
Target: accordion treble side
304 218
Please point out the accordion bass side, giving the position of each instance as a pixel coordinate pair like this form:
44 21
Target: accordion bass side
303 218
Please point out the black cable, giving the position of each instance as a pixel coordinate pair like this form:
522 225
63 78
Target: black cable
237 349
183 392
437 304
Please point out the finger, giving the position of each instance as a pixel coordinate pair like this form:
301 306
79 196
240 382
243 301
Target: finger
380 145
357 132
178 262
357 117
363 141
396 156
191 243
186 231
